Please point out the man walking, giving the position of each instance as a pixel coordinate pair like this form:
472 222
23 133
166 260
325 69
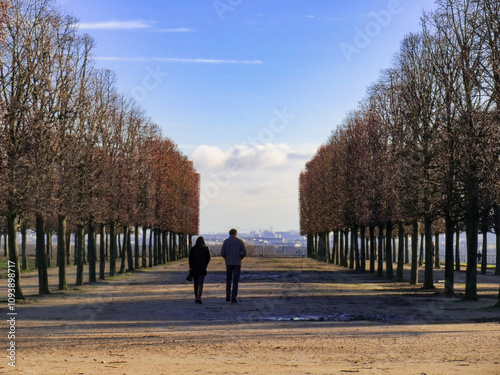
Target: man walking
233 251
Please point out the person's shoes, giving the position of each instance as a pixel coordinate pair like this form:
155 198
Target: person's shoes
228 299
199 301
234 301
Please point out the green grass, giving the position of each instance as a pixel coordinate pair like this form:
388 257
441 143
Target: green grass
31 265
4 264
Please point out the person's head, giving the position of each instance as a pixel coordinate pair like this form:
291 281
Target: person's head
200 242
233 232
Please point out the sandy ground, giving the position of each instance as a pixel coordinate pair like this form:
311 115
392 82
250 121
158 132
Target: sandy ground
295 316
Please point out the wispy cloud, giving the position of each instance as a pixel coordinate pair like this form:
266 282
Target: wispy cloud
338 18
179 60
309 16
114 25
178 30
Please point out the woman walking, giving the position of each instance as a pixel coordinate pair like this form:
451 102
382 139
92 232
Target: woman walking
199 257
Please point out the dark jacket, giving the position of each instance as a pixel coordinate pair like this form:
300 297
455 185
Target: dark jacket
233 250
199 257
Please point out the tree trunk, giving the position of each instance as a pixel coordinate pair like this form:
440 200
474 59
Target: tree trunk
414 254
407 249
352 250
336 251
401 258
322 247
164 246
61 252
346 248
43 281
363 248
428 278
13 263
341 248
155 247
106 245
182 245
380 263
174 246
112 249
24 256
84 248
150 247
497 238
49 248
394 255
168 244
130 255
328 248
92 256
457 250
484 258
124 250
372 249
68 248
367 247
136 246
120 249
102 252
80 239
160 246
422 250
437 252
144 247
355 248
448 267
471 227
388 251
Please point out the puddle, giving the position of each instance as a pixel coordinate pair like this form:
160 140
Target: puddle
264 278
338 317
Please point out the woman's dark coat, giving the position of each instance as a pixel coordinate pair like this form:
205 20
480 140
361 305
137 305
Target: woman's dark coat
199 257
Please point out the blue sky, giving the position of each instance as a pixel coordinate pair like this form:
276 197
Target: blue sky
248 89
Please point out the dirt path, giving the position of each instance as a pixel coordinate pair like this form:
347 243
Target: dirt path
295 316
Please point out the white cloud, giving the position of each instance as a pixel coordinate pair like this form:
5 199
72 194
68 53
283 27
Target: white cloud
209 157
114 25
179 60
250 187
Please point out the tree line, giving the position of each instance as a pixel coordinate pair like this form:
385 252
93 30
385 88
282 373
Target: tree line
420 155
78 157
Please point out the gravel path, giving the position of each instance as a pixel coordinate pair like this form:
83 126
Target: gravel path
294 316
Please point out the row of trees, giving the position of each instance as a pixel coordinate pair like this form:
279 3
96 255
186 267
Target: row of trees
74 152
422 150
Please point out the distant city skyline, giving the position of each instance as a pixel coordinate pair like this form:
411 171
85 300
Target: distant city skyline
248 89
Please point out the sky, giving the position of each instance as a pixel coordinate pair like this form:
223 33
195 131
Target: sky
248 89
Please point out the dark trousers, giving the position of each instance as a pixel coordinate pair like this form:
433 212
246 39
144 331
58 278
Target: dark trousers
198 286
232 276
